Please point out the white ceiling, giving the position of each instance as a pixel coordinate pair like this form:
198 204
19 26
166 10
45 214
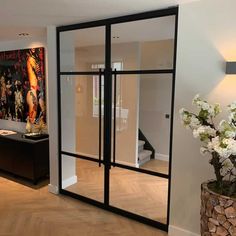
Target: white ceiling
138 31
32 16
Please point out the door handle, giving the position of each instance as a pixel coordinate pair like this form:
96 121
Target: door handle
114 121
100 116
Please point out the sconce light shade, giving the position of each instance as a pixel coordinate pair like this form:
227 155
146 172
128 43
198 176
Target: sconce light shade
231 67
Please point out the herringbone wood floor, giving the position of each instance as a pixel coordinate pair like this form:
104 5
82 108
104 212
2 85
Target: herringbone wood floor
143 194
25 211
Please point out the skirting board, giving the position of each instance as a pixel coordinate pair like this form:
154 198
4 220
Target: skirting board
176 231
53 189
161 157
126 163
67 182
87 155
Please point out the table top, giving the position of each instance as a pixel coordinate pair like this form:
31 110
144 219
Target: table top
20 137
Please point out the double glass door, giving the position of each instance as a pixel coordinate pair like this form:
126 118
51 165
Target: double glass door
115 87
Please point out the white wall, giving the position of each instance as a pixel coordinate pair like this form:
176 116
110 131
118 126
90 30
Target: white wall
207 37
68 117
14 45
155 95
52 109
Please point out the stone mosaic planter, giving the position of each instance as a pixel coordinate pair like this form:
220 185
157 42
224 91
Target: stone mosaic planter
218 213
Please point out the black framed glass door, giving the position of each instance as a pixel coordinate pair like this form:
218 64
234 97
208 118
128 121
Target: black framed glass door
81 116
116 97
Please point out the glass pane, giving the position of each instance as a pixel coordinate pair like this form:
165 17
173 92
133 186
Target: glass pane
144 44
143 107
80 115
142 194
82 177
82 50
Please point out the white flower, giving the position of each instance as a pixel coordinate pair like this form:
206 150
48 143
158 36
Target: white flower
221 126
221 140
217 109
227 166
194 123
224 148
205 106
231 145
232 116
229 134
233 171
222 159
182 111
232 177
196 99
184 116
204 133
232 106
227 130
203 150
211 111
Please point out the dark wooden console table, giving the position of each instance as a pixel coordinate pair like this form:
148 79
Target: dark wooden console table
24 157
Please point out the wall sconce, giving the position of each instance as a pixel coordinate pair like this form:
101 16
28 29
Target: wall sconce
230 67
79 88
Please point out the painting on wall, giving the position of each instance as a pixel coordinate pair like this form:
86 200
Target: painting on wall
22 85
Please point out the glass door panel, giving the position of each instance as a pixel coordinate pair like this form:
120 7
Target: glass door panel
144 44
142 107
138 193
81 121
83 177
82 49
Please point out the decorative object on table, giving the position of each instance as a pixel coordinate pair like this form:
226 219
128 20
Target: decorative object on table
218 197
28 126
40 127
6 132
37 131
22 82
36 136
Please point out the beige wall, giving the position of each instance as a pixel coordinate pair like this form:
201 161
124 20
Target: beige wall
155 95
157 54
207 37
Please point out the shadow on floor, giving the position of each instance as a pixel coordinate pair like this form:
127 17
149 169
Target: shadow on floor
41 183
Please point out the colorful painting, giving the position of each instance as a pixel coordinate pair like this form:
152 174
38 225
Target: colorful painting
22 85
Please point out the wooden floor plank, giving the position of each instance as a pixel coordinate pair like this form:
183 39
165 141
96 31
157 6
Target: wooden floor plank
139 193
26 211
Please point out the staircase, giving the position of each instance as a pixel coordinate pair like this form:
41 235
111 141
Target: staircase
143 154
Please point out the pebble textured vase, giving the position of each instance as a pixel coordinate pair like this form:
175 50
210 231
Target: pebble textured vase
218 213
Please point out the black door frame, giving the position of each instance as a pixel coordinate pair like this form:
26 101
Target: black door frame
173 11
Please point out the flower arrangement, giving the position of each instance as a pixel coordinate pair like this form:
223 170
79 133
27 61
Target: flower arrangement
219 141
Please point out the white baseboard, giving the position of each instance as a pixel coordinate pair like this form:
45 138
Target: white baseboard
87 155
126 163
67 182
161 157
176 231
53 189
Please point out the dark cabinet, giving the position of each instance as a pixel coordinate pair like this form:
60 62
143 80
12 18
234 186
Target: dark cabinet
24 157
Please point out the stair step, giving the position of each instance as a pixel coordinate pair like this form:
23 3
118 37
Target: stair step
140 145
144 154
